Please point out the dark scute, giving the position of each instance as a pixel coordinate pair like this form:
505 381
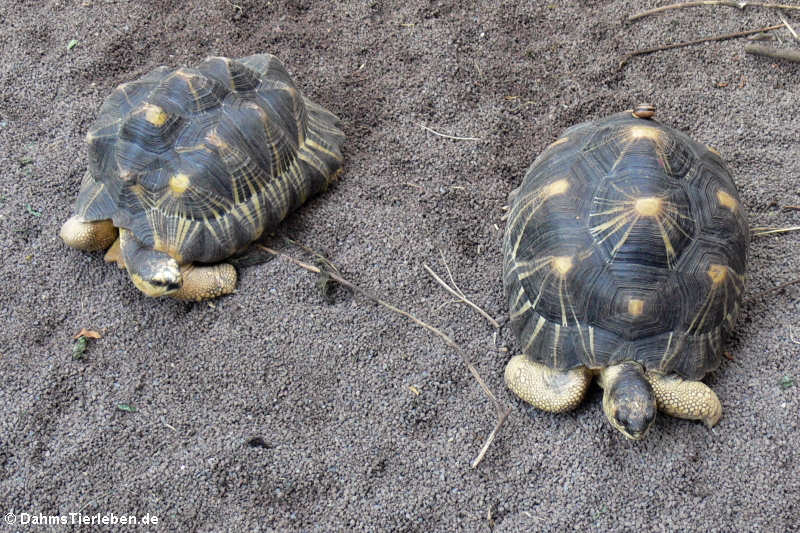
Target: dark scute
257 131
206 171
565 354
130 95
723 229
94 201
674 157
269 68
196 130
137 130
132 157
616 285
187 92
230 73
286 105
102 157
155 179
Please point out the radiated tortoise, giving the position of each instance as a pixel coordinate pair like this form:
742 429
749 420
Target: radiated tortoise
624 257
189 166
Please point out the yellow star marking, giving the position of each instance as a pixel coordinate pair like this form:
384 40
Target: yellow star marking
648 207
554 189
531 203
214 139
562 264
179 183
717 273
726 284
629 136
635 307
627 214
645 132
155 115
726 200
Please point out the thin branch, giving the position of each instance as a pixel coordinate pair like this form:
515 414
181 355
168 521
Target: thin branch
502 411
449 274
774 53
773 289
501 419
769 230
455 137
728 3
696 41
458 293
791 336
788 26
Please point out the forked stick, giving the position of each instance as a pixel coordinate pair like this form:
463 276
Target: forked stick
457 292
774 53
502 411
729 3
696 41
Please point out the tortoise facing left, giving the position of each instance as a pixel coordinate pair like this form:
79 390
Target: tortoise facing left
189 166
624 258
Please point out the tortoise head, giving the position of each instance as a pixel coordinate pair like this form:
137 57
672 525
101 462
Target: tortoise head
628 399
157 278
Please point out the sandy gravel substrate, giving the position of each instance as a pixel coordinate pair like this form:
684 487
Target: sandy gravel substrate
272 410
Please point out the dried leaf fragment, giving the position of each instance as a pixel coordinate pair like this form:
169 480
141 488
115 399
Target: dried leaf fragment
90 333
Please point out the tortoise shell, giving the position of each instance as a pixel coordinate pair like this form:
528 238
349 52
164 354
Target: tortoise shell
199 162
626 241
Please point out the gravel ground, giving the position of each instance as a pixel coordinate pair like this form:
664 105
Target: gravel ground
272 410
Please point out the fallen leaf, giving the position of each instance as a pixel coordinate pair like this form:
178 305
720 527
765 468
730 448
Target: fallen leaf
414 389
128 408
728 356
92 334
72 43
786 382
32 211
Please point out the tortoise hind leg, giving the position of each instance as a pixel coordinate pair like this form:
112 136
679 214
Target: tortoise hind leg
681 398
546 388
206 282
88 236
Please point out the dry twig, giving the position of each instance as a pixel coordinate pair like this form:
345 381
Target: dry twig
788 26
457 292
791 336
502 411
455 137
773 289
728 3
774 53
696 41
760 231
